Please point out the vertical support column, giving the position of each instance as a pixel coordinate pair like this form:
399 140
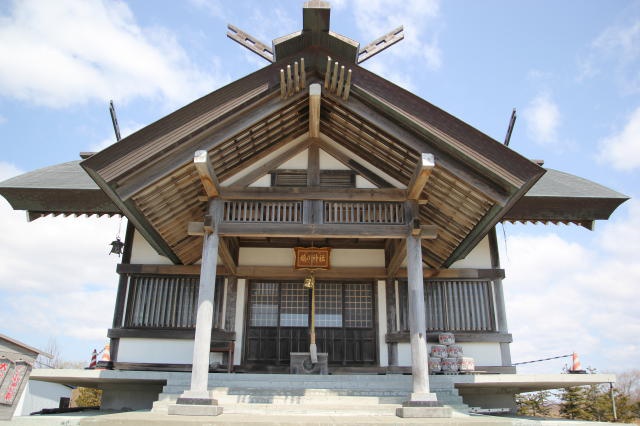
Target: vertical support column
501 314
417 322
382 323
198 400
423 403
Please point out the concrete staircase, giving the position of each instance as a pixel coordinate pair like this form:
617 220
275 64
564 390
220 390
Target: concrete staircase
287 394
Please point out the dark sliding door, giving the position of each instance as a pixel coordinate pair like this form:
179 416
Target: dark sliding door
279 317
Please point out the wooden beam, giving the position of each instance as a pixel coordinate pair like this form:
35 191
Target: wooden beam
278 230
250 42
195 229
314 110
248 271
420 176
206 173
227 256
398 252
381 43
314 193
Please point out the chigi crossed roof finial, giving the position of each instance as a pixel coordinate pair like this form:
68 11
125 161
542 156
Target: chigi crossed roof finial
315 31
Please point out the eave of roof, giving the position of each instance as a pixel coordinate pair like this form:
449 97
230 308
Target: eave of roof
560 197
60 189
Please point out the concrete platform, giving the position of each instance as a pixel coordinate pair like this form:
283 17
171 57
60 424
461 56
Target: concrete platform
145 418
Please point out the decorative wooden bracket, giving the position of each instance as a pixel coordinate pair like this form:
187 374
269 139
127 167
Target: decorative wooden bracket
293 82
250 42
381 43
207 175
420 176
335 81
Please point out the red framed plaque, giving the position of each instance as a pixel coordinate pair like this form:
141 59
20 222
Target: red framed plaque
313 257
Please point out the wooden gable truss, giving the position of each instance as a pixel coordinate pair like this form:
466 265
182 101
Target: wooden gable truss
248 128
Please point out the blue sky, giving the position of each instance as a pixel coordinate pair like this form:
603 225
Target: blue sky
571 68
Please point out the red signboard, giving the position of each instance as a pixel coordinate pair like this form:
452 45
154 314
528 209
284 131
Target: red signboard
313 257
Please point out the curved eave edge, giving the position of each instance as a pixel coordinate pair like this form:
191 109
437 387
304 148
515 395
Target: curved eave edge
45 201
572 209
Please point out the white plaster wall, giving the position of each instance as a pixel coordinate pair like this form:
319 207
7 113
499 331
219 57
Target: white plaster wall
256 256
404 354
300 161
363 183
479 257
355 257
169 351
263 182
231 180
142 252
382 324
38 395
328 162
487 354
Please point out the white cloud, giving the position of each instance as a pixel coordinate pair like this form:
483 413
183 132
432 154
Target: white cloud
622 149
542 117
212 7
420 19
563 297
56 277
110 140
65 52
616 51
8 170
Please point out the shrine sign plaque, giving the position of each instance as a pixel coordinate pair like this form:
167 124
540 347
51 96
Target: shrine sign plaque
312 257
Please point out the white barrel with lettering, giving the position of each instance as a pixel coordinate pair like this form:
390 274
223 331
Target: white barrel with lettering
454 351
449 365
466 364
435 364
446 338
439 351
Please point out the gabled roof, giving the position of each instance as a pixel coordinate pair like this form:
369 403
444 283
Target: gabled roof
150 177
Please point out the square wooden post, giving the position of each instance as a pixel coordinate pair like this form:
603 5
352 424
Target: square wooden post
198 401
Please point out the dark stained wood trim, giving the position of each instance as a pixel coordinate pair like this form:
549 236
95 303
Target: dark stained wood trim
284 272
118 313
315 193
313 166
397 253
316 230
432 337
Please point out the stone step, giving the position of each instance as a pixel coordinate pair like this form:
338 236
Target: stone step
170 389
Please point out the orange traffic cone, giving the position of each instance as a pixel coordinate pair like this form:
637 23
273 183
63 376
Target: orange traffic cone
576 367
105 361
94 358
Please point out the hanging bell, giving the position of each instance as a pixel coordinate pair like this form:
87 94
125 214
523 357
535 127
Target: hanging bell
309 282
116 247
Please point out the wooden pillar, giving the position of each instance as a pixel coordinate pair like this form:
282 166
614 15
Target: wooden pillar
197 400
417 321
422 403
501 314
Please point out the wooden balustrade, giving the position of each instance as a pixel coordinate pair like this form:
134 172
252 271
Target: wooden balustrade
364 212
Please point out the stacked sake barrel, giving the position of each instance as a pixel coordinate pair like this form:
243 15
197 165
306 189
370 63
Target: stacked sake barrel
447 357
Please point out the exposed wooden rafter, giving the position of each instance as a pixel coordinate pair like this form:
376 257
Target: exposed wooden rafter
206 173
420 176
